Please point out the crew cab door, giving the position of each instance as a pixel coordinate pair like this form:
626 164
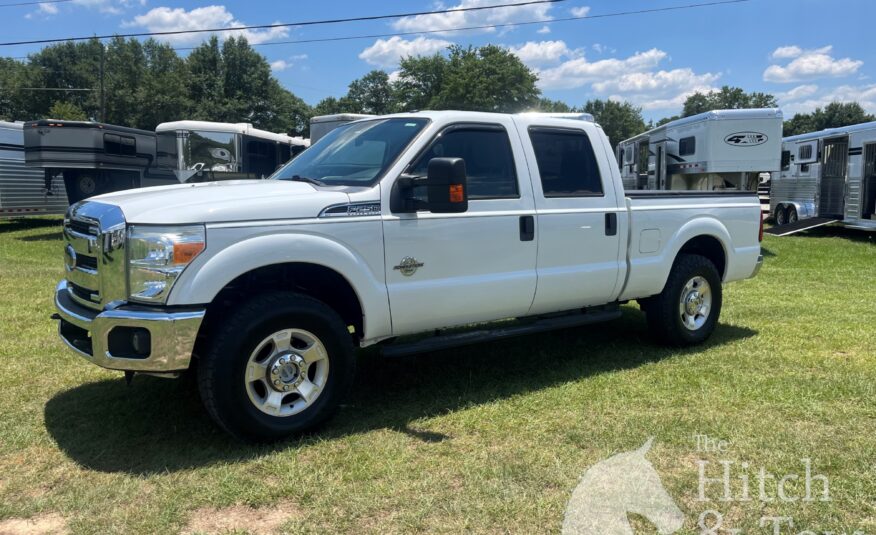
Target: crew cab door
581 227
453 269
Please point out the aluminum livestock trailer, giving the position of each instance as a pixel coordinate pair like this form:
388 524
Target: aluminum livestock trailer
826 177
716 150
91 158
24 190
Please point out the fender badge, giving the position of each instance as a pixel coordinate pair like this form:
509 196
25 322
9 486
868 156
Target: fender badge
408 266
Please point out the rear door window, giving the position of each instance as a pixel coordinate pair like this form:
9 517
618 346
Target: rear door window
566 163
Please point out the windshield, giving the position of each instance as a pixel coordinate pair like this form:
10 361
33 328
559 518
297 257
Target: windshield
353 155
210 151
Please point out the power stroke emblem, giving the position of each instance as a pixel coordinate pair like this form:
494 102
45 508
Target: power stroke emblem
746 139
408 266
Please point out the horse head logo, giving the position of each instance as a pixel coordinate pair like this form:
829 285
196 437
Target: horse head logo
622 484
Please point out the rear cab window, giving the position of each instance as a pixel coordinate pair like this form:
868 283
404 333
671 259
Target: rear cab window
567 164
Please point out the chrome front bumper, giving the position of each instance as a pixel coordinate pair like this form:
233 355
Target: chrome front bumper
172 333
758 265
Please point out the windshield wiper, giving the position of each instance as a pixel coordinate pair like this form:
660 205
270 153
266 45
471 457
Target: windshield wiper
299 178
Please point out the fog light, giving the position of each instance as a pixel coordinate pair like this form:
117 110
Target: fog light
129 343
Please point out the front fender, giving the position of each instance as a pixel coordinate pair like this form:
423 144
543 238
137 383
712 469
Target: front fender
230 254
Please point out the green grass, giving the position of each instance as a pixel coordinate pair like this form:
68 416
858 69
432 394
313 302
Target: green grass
489 438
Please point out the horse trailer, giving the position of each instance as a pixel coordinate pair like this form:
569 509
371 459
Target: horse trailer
826 177
715 150
91 158
321 125
24 190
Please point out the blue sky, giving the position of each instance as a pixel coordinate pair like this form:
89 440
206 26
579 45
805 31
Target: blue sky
807 52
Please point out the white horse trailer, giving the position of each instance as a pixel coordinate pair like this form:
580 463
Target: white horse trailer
716 150
25 190
321 125
826 177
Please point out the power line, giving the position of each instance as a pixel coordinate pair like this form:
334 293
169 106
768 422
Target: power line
16 4
504 25
285 24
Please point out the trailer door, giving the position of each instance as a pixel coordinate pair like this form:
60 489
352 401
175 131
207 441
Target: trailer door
833 177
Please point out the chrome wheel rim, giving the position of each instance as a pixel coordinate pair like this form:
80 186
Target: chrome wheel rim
287 372
696 303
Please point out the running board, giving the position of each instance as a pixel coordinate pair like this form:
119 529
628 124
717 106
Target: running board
521 327
800 226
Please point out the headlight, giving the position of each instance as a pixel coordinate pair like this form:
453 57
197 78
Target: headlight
157 256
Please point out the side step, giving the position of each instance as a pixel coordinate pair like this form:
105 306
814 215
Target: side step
518 328
800 226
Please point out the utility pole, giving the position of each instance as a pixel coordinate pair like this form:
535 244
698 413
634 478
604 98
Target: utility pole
102 93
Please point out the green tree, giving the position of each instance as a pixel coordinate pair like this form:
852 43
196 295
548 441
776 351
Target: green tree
124 77
66 111
420 80
620 120
727 98
373 93
163 95
332 105
553 106
489 78
207 80
834 115
14 100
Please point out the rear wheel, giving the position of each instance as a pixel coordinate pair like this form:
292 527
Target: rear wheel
781 216
278 366
686 311
792 215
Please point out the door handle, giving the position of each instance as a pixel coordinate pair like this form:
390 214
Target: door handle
527 228
611 224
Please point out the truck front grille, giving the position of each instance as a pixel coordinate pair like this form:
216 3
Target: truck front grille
94 255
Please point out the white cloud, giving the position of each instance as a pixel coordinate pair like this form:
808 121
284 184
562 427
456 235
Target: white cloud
808 98
579 72
165 19
544 29
787 52
535 54
656 82
280 65
581 11
388 52
457 19
283 64
809 65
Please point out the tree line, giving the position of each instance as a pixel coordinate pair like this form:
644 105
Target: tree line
141 84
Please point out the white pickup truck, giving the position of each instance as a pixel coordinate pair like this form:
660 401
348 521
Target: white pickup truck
386 227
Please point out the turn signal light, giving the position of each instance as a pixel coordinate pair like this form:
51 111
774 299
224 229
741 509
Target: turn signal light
185 252
456 193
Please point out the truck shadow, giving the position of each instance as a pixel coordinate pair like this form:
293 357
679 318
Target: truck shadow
30 223
158 425
860 236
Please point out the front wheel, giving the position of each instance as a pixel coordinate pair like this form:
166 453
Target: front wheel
278 366
686 311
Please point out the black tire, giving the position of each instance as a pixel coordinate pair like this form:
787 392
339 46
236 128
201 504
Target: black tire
221 369
792 216
781 215
664 312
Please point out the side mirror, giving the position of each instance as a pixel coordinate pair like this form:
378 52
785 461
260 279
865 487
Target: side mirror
447 186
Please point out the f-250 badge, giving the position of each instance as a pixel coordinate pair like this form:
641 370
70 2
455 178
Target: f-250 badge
746 139
408 266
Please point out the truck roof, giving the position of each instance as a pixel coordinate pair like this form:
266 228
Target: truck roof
486 116
235 128
832 132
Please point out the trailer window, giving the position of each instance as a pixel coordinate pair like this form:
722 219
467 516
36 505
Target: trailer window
566 163
786 160
687 146
805 152
119 145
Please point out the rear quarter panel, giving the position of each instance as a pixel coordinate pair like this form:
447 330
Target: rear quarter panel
661 226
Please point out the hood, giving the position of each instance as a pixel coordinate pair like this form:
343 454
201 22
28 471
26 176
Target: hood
232 200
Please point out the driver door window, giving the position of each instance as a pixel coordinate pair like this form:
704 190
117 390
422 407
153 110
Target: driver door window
489 162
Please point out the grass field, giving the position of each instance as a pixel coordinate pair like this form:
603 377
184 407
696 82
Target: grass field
486 439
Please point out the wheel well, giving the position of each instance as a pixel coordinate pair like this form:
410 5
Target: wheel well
317 281
709 247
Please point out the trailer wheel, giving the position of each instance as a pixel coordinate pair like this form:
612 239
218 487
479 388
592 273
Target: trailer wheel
277 366
781 215
792 215
686 311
